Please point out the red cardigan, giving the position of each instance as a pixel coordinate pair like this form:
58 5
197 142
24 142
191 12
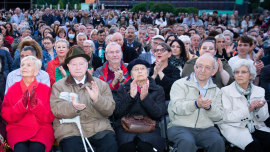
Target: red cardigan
34 124
51 67
9 38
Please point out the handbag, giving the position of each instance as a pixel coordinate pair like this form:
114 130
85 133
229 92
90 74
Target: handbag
138 124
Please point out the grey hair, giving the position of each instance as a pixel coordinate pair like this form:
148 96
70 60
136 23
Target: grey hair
108 37
228 32
94 30
32 49
253 38
81 34
132 28
194 36
209 55
182 26
91 43
82 26
36 61
110 44
235 29
90 25
253 31
56 22
24 28
62 40
142 29
220 36
247 63
229 36
184 39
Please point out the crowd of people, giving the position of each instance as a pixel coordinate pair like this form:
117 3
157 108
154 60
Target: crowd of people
130 81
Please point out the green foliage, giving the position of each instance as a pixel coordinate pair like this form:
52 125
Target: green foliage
61 4
193 10
141 6
165 7
265 4
253 4
79 6
180 10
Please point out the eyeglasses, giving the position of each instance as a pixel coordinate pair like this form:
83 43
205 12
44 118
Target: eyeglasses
139 69
160 50
220 41
74 65
241 72
206 68
87 47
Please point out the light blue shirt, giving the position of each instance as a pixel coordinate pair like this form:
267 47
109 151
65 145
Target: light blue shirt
188 22
17 19
202 90
153 58
15 76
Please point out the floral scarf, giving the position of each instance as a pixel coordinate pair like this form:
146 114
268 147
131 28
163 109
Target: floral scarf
247 93
177 62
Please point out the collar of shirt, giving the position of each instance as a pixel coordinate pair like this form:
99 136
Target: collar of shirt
130 44
204 88
82 81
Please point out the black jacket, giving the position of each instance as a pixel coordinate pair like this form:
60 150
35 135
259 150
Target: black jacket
129 54
96 61
265 80
146 20
153 106
96 22
48 19
3 78
136 45
171 74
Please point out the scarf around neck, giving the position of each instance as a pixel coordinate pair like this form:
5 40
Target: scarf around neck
177 62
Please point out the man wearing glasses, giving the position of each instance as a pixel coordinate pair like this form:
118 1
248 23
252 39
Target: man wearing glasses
194 107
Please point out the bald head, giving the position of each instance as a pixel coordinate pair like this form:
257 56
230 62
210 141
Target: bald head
118 38
209 58
205 67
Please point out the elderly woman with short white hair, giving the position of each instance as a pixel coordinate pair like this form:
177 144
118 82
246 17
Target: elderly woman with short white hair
245 110
26 109
94 35
186 40
88 48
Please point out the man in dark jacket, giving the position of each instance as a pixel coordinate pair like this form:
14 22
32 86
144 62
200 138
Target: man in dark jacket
47 17
147 19
130 40
129 53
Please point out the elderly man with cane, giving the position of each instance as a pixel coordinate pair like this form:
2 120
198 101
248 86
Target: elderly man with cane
91 99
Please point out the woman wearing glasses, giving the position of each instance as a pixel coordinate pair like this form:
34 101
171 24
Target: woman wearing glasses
162 71
89 47
245 110
223 76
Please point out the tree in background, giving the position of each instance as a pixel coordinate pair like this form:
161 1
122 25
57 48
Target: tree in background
61 4
165 7
141 6
265 4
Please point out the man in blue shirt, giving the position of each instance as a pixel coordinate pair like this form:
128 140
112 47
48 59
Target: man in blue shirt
17 17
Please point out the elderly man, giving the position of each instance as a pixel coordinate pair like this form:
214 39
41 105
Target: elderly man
189 20
17 17
82 29
129 53
80 38
86 19
194 107
149 56
82 95
89 28
140 38
47 17
130 40
194 46
15 76
180 30
114 71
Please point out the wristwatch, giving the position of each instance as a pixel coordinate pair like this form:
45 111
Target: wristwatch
123 80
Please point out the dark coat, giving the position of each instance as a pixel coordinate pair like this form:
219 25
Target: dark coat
265 80
96 22
8 45
266 60
153 106
48 19
7 60
136 45
146 20
96 61
171 74
3 78
129 54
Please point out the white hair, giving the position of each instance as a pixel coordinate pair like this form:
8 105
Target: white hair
132 28
91 43
82 26
220 36
33 59
94 30
110 44
195 36
157 31
247 63
62 40
81 34
184 38
209 55
108 37
228 32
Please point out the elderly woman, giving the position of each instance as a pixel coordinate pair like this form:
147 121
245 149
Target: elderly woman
89 47
223 76
62 47
221 52
162 71
179 56
94 35
140 96
71 19
245 110
186 40
28 112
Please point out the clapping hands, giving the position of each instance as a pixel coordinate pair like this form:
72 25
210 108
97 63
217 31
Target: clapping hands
203 102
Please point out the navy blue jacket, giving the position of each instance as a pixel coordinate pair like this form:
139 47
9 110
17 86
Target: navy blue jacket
7 61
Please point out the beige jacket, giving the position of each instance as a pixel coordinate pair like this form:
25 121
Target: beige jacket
94 118
182 111
236 115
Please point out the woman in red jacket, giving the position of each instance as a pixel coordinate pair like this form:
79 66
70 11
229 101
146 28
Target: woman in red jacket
62 47
26 109
5 34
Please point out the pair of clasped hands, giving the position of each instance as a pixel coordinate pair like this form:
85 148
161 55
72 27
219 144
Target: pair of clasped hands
256 104
203 102
93 93
30 98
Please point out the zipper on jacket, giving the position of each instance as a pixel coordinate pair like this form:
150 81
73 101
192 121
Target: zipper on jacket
199 110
